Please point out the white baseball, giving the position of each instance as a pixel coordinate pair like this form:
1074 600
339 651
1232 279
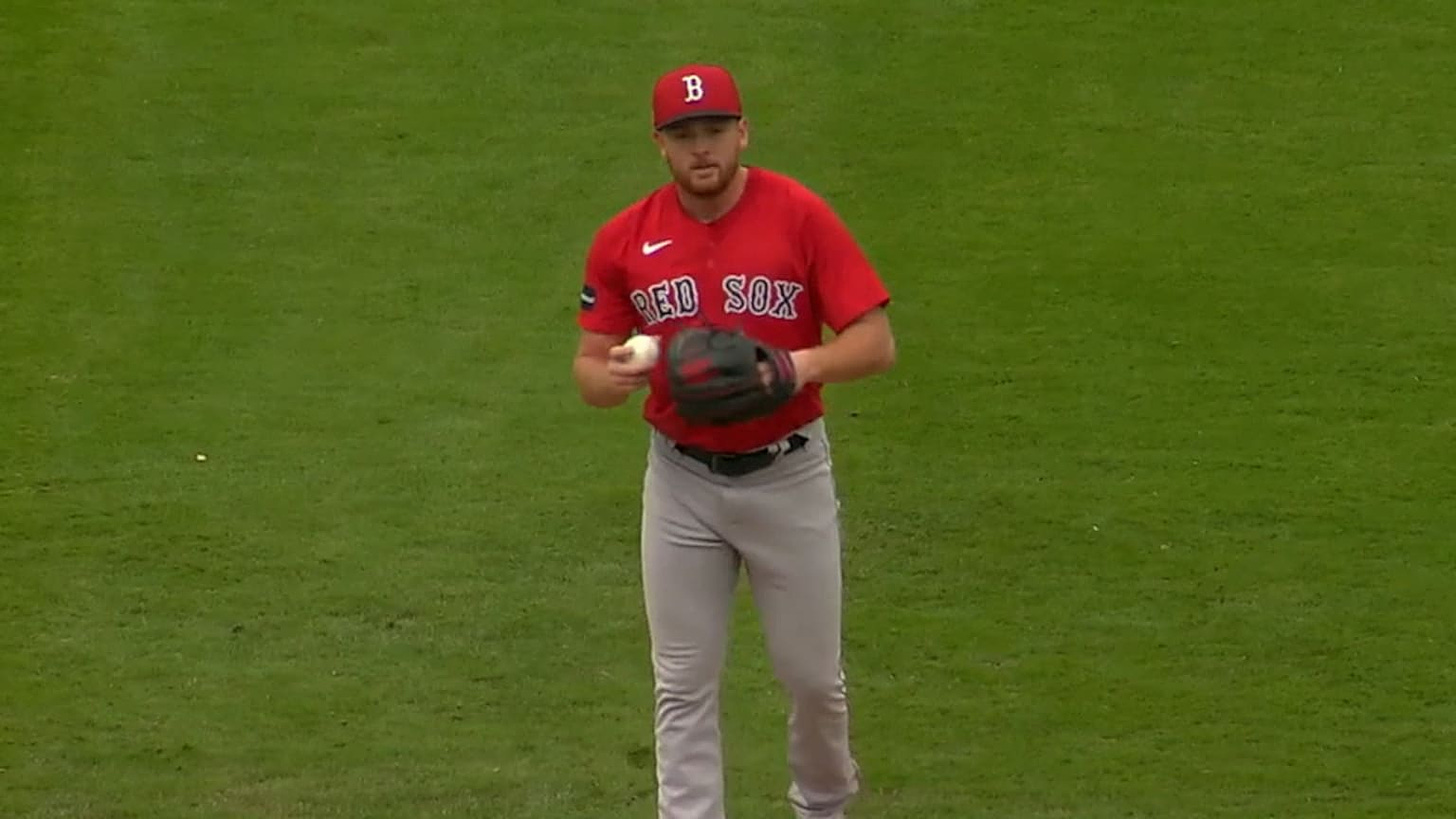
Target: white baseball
644 349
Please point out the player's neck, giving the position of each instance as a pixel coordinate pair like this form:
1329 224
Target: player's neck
709 208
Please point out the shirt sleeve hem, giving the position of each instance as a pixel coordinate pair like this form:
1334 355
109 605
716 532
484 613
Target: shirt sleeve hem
856 315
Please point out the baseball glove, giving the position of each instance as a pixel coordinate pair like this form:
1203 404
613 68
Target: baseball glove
714 376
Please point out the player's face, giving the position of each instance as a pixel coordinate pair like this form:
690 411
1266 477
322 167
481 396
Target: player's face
703 153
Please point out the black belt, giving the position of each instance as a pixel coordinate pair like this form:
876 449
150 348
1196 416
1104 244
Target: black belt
735 464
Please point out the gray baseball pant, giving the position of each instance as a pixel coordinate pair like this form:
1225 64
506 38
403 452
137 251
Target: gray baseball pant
781 526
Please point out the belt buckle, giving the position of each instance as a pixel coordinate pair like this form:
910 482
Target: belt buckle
732 466
736 465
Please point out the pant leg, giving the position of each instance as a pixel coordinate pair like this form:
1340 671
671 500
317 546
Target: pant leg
689 574
786 527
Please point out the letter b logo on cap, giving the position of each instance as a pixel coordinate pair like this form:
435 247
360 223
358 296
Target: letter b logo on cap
693 85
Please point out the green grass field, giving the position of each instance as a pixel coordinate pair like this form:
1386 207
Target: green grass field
1155 518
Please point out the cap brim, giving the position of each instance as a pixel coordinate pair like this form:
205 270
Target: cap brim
698 115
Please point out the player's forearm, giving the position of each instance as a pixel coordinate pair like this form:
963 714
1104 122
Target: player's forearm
597 386
865 348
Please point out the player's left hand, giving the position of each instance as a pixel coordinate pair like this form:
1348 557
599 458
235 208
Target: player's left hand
722 376
769 375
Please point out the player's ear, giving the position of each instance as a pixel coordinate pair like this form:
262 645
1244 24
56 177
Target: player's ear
742 133
661 147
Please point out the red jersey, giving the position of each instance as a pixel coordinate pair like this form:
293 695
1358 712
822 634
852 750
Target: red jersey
780 265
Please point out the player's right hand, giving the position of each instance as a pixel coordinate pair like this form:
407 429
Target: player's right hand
626 375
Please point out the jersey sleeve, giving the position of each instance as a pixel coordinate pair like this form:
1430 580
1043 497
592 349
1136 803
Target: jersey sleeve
605 304
843 283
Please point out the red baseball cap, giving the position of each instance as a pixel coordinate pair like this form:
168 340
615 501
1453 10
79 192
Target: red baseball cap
694 91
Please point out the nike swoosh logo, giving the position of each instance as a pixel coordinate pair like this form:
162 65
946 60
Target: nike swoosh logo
649 248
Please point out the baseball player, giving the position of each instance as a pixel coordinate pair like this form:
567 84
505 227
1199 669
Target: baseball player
737 270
